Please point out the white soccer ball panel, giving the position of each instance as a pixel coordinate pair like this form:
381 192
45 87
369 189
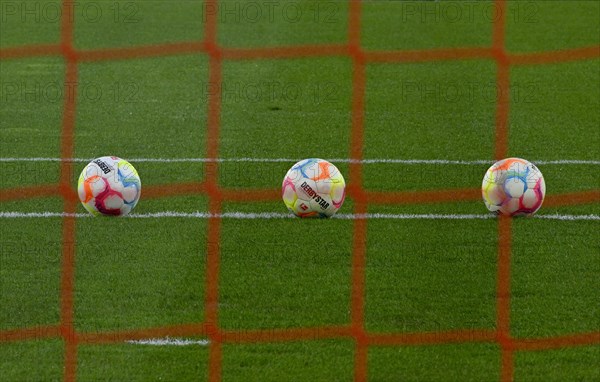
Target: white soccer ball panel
91 170
514 187
113 202
115 184
126 169
294 175
129 194
510 206
97 185
324 186
530 198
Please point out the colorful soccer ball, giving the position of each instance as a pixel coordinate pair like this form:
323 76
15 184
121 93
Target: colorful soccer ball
313 188
109 186
513 187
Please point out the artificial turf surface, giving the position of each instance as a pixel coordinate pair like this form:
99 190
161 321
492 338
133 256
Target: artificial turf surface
420 275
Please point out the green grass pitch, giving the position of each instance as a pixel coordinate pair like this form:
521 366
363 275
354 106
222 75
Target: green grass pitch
276 276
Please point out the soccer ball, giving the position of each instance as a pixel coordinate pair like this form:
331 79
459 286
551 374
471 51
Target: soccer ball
109 186
313 188
513 187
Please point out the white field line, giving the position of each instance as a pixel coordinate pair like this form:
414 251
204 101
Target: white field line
278 215
167 341
291 160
